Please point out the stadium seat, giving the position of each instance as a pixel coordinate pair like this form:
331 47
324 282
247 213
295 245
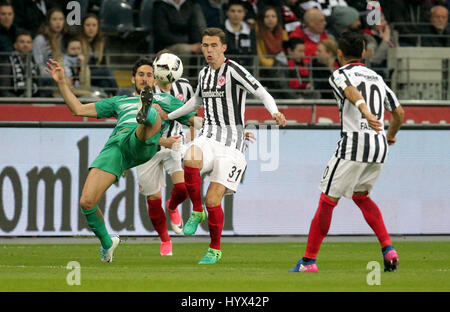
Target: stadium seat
116 16
146 15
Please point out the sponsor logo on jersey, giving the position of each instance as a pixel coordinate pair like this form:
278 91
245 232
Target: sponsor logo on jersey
213 94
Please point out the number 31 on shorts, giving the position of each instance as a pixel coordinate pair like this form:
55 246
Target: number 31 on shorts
235 174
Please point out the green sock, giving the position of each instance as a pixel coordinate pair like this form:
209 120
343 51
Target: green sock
152 116
98 227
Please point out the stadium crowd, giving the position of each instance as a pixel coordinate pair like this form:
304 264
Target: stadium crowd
292 40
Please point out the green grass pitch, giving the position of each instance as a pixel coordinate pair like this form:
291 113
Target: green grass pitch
245 267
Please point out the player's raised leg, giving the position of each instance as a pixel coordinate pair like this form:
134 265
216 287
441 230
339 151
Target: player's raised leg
193 163
147 116
178 195
374 218
97 182
320 225
158 219
214 196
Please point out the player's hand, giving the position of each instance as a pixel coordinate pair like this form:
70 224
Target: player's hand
56 71
373 122
160 111
391 140
249 136
169 142
280 119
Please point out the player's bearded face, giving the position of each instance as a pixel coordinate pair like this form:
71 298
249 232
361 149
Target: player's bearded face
144 77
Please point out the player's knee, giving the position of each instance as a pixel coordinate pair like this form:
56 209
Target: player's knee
87 203
213 198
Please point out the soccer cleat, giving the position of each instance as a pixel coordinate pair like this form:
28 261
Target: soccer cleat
390 258
166 248
175 219
107 254
305 267
212 256
192 223
145 102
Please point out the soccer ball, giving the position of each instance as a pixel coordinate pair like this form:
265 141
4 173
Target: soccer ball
167 68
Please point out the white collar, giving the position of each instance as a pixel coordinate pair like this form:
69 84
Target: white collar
245 29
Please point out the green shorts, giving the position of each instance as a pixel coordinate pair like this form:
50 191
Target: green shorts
123 151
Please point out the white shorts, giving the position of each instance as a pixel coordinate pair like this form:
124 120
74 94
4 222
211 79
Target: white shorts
151 176
344 177
225 165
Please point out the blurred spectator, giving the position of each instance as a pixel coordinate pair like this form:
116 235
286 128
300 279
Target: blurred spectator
379 39
325 6
269 37
240 37
409 13
323 66
445 3
49 43
298 73
176 26
439 26
30 14
313 31
93 45
360 5
76 68
212 11
342 19
8 30
290 13
13 70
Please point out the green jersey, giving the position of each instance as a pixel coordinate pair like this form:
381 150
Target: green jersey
125 109
123 150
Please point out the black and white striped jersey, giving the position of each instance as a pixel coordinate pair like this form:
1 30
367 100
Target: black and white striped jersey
182 90
358 141
223 92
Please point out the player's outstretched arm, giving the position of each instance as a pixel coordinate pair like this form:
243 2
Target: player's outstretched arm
192 105
397 117
353 95
75 106
169 142
269 104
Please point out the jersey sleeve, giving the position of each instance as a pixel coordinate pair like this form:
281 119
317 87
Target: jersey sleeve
244 78
170 104
339 81
390 102
107 108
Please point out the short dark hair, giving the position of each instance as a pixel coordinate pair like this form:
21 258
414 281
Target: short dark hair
215 32
23 32
5 3
71 39
352 44
161 52
235 2
141 62
293 42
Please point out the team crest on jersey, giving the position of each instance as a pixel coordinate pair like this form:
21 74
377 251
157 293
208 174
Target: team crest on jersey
221 81
180 96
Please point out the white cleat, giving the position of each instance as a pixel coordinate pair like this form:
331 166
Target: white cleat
107 254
